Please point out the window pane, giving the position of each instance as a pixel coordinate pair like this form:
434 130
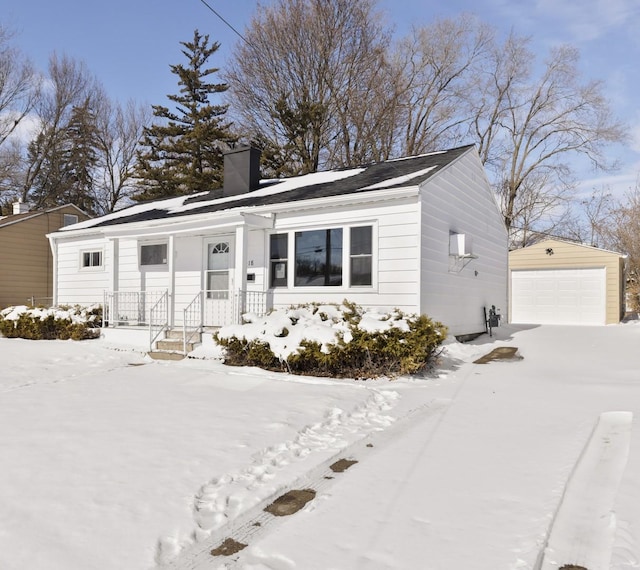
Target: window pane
219 256
361 270
68 219
319 258
153 254
361 240
95 259
218 281
279 246
278 274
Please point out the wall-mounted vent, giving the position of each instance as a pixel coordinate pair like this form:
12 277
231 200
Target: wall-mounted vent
460 252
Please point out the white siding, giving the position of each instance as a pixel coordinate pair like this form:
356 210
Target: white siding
77 285
189 258
460 200
395 255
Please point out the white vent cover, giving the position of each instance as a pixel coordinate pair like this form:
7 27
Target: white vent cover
458 245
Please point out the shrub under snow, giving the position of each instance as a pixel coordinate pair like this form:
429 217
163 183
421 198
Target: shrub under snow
334 340
62 323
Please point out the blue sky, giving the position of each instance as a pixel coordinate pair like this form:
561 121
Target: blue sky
129 45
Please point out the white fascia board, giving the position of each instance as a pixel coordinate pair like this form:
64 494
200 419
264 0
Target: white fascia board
188 225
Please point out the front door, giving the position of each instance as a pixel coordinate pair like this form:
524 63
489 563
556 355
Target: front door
218 282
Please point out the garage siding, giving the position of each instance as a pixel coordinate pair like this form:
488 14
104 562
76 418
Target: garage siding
571 256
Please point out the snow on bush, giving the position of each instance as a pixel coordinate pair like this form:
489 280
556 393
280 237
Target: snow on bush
35 323
333 340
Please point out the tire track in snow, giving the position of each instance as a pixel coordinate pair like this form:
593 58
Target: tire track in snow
583 529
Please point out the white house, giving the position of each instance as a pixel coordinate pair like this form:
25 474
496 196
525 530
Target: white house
422 233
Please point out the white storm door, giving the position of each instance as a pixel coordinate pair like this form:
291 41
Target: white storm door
218 282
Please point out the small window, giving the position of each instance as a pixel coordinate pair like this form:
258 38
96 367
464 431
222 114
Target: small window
69 219
153 254
92 259
361 256
279 260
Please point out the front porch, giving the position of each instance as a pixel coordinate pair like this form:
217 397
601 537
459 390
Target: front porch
158 311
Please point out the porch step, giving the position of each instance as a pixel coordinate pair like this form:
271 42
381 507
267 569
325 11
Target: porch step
174 345
162 355
178 334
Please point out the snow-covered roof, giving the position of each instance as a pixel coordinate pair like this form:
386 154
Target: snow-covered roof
390 174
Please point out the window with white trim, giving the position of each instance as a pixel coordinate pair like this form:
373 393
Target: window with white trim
90 259
331 257
279 259
361 256
153 254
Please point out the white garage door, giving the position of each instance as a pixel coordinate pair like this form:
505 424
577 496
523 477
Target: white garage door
559 296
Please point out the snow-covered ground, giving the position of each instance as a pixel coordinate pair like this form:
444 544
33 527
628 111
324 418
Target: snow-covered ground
111 461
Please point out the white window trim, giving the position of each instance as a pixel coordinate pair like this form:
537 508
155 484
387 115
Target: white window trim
349 257
83 267
346 258
155 266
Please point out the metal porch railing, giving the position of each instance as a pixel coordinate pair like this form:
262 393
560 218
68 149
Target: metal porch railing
132 308
158 318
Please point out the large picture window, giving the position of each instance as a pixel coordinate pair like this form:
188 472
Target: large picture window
361 256
318 260
279 257
319 256
153 254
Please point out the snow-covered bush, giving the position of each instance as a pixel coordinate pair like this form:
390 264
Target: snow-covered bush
64 323
334 340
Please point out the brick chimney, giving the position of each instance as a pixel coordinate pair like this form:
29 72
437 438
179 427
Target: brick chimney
241 170
20 207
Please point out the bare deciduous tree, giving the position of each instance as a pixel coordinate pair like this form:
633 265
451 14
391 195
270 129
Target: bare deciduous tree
620 231
312 81
19 86
437 67
119 129
532 126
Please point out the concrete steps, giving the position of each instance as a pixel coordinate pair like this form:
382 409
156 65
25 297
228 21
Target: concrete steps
172 347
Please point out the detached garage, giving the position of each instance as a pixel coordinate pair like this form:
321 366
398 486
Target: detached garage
557 282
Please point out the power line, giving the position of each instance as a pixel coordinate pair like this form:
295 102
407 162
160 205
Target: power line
226 23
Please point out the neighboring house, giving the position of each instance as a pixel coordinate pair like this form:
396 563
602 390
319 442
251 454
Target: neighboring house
565 283
423 234
26 269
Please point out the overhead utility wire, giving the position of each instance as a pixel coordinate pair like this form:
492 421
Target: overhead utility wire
227 23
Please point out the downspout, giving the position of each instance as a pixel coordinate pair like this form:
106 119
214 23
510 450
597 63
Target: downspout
53 245
172 282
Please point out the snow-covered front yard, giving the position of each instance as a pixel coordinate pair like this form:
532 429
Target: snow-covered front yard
115 462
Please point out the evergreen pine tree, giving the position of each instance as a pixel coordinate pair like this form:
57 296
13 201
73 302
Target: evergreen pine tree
80 158
184 154
69 160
